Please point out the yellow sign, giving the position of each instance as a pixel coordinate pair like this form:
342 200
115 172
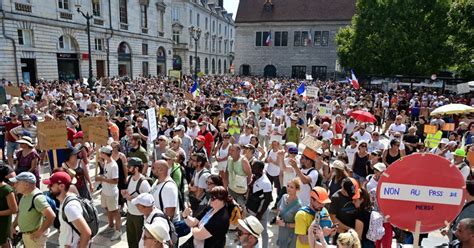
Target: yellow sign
13 90
430 129
448 127
174 74
52 135
97 122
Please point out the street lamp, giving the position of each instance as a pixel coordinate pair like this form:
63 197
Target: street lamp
196 35
88 18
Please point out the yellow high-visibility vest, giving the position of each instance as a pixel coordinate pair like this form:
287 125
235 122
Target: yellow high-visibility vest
432 140
234 126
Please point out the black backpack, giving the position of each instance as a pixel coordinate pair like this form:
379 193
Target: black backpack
139 183
52 203
319 182
173 242
88 211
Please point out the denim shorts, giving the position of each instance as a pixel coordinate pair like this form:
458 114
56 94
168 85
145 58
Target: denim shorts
11 147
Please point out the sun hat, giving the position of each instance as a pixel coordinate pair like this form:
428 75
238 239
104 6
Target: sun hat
380 167
252 225
169 154
338 164
26 140
158 231
320 194
144 199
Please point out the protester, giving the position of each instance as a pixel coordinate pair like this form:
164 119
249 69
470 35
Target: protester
249 232
35 215
287 209
8 206
238 175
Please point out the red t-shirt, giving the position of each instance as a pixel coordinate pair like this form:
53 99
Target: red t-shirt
9 126
209 140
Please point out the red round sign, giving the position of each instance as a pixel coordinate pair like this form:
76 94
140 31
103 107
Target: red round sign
421 187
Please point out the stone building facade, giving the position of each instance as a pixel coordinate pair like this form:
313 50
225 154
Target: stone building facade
290 38
215 48
48 39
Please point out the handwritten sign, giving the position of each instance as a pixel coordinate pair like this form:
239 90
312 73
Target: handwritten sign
174 74
312 91
417 193
52 134
448 127
324 109
98 135
152 125
311 142
13 90
88 122
430 129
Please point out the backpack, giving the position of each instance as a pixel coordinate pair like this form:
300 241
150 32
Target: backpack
235 213
180 226
319 182
376 229
173 242
139 183
52 203
180 186
88 211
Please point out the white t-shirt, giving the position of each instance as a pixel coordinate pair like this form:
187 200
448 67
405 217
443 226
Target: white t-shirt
396 128
372 184
162 222
278 113
244 139
289 171
273 169
305 190
73 211
375 146
200 178
362 137
111 171
192 132
264 184
132 186
350 152
264 126
327 134
169 196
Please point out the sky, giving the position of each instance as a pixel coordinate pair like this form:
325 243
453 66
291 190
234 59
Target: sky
231 6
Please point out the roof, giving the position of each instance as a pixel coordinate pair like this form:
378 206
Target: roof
295 10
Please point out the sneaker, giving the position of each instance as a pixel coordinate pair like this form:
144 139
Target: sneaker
109 229
116 236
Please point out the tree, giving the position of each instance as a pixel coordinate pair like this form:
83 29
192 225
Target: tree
390 37
461 21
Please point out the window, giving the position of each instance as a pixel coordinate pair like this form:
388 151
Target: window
175 14
213 45
325 38
298 71
145 68
205 23
261 38
319 72
301 38
206 66
321 38
206 43
198 17
281 38
231 33
161 22
225 31
144 16
176 37
65 43
191 62
25 37
99 44
63 4
123 11
213 26
220 28
191 16
220 46
144 49
96 7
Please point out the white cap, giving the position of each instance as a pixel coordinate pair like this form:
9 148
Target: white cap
380 167
444 141
338 164
144 199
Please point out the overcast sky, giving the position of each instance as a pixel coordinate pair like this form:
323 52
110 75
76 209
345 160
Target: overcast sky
231 6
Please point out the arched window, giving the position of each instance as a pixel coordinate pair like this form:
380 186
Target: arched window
219 67
65 42
206 66
213 66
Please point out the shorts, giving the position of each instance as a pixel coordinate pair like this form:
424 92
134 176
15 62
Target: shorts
109 202
11 147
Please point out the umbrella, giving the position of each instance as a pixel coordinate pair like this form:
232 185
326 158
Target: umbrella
363 116
451 109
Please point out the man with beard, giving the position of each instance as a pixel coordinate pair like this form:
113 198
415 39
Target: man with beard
137 184
306 215
80 235
138 151
308 174
342 210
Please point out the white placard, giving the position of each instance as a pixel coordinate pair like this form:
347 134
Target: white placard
417 193
463 88
152 126
324 109
309 77
312 91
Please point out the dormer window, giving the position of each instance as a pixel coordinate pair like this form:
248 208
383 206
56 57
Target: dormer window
268 5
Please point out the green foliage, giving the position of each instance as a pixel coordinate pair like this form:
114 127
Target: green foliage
461 20
389 37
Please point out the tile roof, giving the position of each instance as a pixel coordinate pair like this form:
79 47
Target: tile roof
295 10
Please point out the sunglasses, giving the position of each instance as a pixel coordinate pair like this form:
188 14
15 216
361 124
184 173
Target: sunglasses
242 233
363 146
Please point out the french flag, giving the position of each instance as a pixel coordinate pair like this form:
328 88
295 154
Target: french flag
195 89
354 81
310 41
268 41
301 90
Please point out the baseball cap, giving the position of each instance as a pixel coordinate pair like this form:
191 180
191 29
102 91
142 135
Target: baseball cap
201 138
134 161
351 186
179 128
444 141
59 177
106 149
144 199
25 177
252 225
320 194
380 167
460 153
293 150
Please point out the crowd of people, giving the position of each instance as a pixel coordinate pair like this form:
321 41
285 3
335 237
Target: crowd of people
229 157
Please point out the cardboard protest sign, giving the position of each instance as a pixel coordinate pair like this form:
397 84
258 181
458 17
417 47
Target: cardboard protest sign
430 129
324 109
98 135
13 90
312 91
52 135
311 142
89 122
448 127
